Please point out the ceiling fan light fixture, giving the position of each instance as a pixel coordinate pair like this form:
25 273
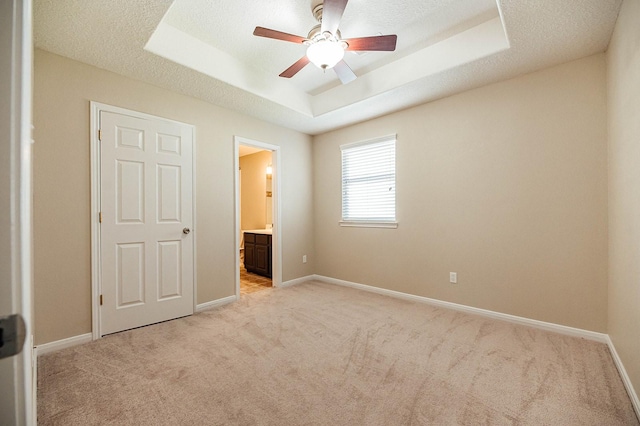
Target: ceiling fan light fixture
325 49
325 53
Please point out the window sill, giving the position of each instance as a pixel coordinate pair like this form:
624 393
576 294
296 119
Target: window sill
368 224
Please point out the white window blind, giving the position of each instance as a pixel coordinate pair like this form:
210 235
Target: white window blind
369 181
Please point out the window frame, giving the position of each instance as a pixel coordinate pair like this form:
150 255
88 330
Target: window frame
369 223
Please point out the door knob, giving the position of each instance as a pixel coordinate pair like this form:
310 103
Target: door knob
12 335
186 231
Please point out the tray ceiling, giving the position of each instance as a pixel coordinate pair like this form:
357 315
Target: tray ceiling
206 49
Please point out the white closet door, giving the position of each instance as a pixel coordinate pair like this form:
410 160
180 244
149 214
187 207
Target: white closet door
146 205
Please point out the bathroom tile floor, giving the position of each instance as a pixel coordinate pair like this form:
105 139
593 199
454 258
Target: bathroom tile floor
250 283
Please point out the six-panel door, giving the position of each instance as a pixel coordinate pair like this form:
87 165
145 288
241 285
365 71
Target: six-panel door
146 203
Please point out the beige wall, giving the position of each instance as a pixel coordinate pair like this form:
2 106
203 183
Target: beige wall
62 91
254 187
623 72
505 185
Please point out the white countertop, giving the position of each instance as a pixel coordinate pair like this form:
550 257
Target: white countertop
259 231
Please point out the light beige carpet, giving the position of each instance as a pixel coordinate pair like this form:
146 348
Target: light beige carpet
318 354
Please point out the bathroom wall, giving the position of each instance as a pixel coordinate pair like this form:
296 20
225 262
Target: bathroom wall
254 184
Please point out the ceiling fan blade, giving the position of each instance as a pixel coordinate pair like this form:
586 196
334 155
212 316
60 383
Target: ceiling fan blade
345 73
293 69
385 43
278 35
332 11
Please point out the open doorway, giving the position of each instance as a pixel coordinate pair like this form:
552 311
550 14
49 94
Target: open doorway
257 230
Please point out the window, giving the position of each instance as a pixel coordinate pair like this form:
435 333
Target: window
369 183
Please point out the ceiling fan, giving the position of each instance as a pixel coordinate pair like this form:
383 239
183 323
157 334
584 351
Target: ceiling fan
325 47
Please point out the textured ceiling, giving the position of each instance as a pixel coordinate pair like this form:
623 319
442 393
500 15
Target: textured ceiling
112 35
415 23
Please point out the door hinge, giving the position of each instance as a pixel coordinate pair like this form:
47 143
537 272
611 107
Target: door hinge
99 134
100 300
100 217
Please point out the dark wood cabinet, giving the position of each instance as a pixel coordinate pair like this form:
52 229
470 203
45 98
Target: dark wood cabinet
257 253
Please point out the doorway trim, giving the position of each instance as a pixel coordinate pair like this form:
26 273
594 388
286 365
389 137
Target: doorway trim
276 238
18 377
96 284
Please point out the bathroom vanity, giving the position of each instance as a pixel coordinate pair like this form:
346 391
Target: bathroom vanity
257 252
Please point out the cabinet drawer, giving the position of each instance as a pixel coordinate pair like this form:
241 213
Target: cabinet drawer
249 238
263 239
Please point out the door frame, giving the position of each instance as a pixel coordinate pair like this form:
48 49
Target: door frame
276 237
16 54
96 273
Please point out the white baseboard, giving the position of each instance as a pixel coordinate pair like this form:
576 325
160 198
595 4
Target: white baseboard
297 281
63 344
624 376
215 303
548 326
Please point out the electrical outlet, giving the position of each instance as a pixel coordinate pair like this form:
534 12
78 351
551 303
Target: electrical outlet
304 258
453 277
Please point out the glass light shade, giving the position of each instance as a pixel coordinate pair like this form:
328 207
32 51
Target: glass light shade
269 170
325 54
